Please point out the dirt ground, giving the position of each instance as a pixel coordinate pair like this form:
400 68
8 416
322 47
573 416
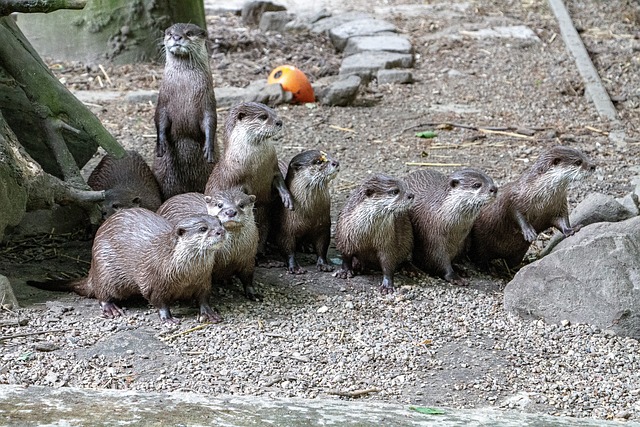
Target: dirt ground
506 84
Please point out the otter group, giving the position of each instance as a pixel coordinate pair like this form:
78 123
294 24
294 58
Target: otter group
222 205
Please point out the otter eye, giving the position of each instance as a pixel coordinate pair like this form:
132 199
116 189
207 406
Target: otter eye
241 206
476 185
263 117
317 161
115 206
394 192
220 205
578 162
204 228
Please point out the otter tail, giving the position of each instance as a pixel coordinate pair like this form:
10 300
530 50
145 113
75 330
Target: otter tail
79 286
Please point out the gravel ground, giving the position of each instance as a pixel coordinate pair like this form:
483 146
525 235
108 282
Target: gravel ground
314 335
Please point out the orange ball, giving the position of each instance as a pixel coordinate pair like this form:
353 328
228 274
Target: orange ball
293 80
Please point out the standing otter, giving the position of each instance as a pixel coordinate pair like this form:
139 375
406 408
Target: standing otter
531 204
442 215
250 160
374 228
128 182
185 117
307 178
235 210
138 252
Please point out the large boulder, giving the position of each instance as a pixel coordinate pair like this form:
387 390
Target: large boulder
592 277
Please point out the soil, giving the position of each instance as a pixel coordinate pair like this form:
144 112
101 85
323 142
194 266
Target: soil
462 84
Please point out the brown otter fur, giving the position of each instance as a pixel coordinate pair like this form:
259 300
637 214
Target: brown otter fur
185 117
442 215
534 202
374 229
250 160
138 252
235 210
307 177
128 182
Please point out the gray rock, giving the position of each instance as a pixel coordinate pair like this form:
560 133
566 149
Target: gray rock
7 297
228 96
275 21
62 219
142 96
252 11
596 207
394 76
337 90
362 27
325 24
387 42
272 95
630 203
366 64
591 277
97 96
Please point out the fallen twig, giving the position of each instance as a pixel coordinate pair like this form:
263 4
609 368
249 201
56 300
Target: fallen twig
106 76
188 331
354 393
342 129
500 132
434 164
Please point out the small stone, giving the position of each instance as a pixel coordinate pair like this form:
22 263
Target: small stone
565 323
323 309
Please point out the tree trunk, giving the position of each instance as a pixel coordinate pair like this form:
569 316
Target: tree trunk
121 31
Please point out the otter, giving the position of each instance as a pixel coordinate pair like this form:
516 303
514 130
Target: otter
128 182
185 117
234 208
138 252
307 177
250 160
527 206
442 215
374 228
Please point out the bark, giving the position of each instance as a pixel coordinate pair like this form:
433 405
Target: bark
40 110
120 31
44 6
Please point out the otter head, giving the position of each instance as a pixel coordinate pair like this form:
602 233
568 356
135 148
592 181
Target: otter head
386 195
197 235
232 207
252 123
118 198
470 189
317 167
186 42
561 165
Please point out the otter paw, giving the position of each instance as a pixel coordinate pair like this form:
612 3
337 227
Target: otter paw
252 295
343 274
386 289
324 267
110 310
296 270
212 317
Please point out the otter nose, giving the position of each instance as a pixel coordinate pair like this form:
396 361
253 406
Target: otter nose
493 189
279 123
410 196
219 231
230 213
335 163
592 167
176 37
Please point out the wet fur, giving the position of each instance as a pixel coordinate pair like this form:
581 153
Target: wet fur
374 228
185 117
249 161
442 215
234 208
534 202
138 252
128 182
308 175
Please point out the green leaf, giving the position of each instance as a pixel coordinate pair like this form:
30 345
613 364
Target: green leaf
428 411
426 134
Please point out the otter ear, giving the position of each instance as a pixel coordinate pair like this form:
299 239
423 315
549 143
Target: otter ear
556 161
252 198
136 201
240 116
207 199
369 192
454 183
180 231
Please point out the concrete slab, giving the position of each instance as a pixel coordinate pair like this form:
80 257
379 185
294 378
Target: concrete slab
36 406
386 42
